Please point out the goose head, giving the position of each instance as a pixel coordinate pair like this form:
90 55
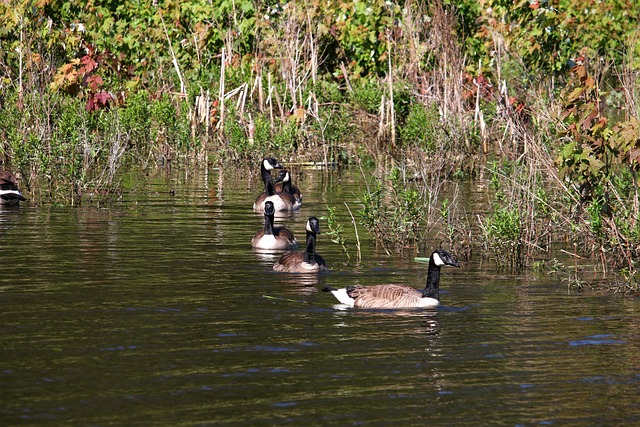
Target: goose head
270 163
283 176
313 225
441 257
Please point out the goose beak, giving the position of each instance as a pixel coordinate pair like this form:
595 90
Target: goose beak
450 261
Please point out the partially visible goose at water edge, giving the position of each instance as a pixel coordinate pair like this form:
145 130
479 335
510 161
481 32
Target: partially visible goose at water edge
10 194
285 185
398 296
281 201
307 261
270 237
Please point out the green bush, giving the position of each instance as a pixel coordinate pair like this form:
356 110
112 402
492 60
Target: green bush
421 128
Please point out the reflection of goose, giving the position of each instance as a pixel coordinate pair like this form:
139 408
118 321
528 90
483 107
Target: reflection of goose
281 201
270 237
398 296
285 185
9 192
307 261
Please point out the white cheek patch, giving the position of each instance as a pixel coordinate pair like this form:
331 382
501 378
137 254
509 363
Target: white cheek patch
437 260
267 165
308 227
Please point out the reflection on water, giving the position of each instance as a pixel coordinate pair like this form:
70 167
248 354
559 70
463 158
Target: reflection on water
158 312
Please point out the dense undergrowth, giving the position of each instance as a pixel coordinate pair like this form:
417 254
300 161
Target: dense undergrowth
537 98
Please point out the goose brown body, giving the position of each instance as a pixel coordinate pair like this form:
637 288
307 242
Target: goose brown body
294 262
385 296
307 261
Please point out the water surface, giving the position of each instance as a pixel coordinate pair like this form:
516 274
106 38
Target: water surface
156 311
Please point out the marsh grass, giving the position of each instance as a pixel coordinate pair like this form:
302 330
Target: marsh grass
386 86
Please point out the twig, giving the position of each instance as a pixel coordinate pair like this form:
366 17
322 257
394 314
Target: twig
355 227
571 254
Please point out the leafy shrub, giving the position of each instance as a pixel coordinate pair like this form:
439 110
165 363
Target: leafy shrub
421 127
503 236
367 94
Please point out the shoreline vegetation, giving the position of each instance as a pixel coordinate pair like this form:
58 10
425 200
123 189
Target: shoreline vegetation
541 99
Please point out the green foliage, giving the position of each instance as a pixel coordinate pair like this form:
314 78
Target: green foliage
503 236
336 230
547 34
135 118
422 127
393 218
367 95
361 29
593 149
596 209
445 215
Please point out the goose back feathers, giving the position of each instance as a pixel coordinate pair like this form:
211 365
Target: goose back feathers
284 184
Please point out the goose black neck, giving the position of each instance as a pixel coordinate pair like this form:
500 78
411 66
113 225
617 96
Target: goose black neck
310 252
268 225
432 289
269 187
286 187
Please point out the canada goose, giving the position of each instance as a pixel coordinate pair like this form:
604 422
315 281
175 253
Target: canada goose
281 201
9 192
270 237
284 185
398 296
307 261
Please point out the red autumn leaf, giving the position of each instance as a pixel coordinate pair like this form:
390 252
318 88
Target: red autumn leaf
94 82
98 100
103 98
88 64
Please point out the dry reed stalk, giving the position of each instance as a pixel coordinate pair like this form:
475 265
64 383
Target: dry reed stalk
183 92
382 119
345 75
313 50
283 116
223 61
392 112
270 90
411 45
260 89
355 227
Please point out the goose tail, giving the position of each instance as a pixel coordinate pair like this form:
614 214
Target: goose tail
341 295
11 195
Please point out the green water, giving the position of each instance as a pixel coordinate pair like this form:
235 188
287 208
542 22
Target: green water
156 311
